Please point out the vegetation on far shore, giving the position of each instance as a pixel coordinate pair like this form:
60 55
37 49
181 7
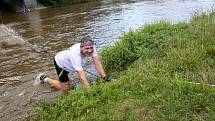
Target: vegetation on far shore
16 5
163 72
61 2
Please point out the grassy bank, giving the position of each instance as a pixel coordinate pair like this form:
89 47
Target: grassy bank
157 64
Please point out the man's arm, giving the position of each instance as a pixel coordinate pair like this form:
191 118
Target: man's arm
83 78
99 66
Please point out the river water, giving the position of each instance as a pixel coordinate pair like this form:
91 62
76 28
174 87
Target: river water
55 29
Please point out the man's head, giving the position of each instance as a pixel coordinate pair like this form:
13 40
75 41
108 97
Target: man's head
86 46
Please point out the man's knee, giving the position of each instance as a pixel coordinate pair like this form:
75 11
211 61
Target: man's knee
65 85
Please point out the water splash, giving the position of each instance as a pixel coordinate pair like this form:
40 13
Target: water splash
9 36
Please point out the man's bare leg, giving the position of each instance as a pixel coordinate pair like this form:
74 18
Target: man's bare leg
54 82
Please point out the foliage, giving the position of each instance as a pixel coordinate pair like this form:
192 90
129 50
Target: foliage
61 2
134 44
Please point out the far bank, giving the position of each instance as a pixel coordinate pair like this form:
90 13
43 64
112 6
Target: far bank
25 6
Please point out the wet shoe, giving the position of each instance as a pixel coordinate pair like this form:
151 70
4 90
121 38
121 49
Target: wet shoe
40 79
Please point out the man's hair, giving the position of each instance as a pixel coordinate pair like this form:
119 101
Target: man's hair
86 41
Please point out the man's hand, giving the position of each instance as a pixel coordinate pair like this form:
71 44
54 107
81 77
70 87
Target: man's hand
107 79
83 78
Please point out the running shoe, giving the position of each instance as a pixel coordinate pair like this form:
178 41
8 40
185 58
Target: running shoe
40 79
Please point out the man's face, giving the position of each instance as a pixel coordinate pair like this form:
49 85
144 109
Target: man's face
87 50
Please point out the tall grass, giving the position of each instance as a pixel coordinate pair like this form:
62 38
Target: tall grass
158 63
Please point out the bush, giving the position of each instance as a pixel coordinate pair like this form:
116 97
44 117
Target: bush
134 44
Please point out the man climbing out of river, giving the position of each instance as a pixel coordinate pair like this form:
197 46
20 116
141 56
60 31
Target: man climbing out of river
71 60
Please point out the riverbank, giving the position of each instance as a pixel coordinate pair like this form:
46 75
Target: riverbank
22 7
167 73
62 2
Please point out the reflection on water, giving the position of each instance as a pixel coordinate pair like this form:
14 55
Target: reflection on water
54 29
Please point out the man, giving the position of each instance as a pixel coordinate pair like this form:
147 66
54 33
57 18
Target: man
72 60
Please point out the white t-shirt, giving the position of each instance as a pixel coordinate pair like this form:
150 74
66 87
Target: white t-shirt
71 59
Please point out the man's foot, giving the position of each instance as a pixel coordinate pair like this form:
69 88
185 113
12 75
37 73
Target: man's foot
40 79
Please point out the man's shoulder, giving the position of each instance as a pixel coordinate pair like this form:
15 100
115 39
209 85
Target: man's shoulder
75 47
77 44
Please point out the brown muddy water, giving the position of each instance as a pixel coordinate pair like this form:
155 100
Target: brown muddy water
23 37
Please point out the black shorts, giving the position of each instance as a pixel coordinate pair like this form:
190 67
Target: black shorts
62 74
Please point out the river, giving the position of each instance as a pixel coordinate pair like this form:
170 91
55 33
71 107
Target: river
55 29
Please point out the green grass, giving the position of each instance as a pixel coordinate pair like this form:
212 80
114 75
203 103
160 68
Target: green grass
153 67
